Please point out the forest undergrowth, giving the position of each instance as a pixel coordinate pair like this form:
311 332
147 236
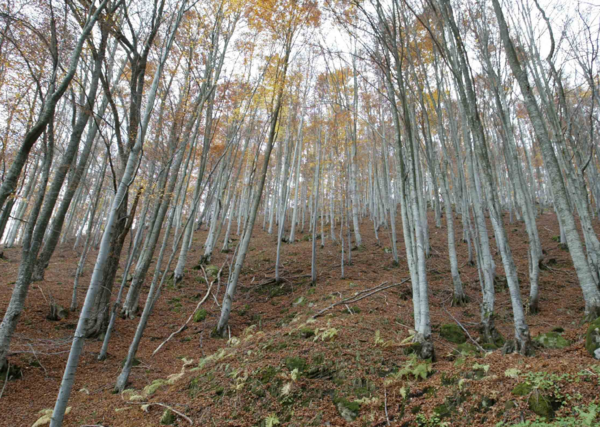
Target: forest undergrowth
301 355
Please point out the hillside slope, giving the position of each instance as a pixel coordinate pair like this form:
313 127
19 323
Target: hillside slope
351 365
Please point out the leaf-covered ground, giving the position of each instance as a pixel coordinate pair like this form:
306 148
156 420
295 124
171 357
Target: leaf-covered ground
280 367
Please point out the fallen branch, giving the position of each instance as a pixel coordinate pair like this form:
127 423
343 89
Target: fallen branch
218 278
466 332
187 321
365 293
38 360
148 404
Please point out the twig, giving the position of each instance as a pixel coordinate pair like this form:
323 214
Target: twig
45 299
5 379
466 332
182 415
361 295
187 321
38 360
387 418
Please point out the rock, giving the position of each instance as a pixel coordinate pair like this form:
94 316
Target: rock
522 389
347 410
592 339
453 333
212 270
57 312
168 418
466 349
307 332
46 416
551 340
296 363
299 301
541 405
200 315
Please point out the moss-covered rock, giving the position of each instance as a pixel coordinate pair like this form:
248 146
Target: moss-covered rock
522 389
466 349
296 363
168 418
592 339
541 404
307 332
300 301
489 346
453 333
200 315
552 340
212 270
347 410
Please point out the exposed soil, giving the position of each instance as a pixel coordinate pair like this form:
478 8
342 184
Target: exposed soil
253 376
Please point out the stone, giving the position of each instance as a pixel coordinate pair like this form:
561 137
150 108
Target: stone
347 410
300 301
57 312
552 340
540 404
307 332
466 349
592 339
212 270
453 333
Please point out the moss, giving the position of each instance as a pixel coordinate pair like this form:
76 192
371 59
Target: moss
363 387
466 349
442 411
522 389
347 410
267 374
592 339
300 301
200 315
168 418
296 363
244 310
449 380
194 387
541 405
307 332
414 348
453 333
485 404
489 346
551 340
212 270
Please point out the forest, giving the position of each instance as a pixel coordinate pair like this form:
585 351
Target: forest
300 213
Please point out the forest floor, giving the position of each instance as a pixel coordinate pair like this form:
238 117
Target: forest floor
281 368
